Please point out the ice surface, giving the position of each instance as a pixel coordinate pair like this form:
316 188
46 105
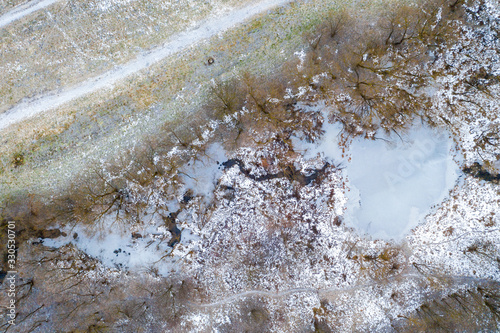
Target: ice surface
116 248
328 146
392 182
201 175
399 181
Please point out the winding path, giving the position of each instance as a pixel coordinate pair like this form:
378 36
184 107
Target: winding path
178 42
329 292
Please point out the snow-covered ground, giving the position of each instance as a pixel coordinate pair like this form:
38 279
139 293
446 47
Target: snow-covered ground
288 247
391 185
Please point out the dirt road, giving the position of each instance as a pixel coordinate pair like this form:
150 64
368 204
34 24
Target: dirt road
177 43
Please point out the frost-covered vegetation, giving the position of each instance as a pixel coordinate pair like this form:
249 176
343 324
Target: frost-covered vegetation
236 219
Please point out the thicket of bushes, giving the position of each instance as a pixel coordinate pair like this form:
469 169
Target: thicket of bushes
474 309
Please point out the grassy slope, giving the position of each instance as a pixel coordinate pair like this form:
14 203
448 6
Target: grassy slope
71 41
59 145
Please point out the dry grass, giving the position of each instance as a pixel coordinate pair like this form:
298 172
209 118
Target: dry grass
66 43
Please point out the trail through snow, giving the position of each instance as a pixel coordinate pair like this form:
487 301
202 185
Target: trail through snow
328 292
21 11
178 42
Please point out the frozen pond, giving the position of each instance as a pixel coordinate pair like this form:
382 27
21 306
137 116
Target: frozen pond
392 182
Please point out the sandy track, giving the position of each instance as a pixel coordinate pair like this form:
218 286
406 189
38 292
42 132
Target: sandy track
178 42
21 11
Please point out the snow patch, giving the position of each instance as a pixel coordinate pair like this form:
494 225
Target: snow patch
201 175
